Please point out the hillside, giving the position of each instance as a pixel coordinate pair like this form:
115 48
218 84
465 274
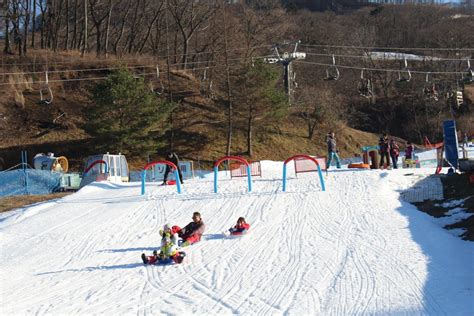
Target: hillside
357 248
212 52
200 122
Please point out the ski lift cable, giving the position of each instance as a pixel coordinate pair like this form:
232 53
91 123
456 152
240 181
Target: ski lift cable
391 48
217 66
388 57
75 61
95 78
128 67
376 69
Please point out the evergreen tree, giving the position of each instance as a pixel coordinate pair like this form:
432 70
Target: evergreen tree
127 116
262 102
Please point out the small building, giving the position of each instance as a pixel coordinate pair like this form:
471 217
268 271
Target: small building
113 168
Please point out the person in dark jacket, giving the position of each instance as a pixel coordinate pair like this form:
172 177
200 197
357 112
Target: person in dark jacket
332 150
192 232
172 157
384 148
409 151
394 152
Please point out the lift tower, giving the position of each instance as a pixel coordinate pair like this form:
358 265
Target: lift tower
286 59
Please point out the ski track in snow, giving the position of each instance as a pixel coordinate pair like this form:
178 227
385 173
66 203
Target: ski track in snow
346 251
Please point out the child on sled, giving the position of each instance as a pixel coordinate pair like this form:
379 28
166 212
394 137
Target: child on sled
168 250
240 228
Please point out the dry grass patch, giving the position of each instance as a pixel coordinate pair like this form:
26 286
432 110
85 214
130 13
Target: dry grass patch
12 202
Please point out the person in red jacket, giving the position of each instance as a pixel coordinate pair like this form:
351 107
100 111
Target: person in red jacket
240 228
192 232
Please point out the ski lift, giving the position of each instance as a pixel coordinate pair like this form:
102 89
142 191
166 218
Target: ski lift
46 87
404 75
206 84
459 98
466 76
158 91
332 73
456 97
365 86
293 79
429 90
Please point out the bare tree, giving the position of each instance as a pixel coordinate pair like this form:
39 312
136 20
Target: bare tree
318 104
190 17
85 26
7 13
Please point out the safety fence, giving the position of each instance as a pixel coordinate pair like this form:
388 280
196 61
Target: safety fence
28 181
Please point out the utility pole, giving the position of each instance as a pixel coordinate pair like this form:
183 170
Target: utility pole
286 59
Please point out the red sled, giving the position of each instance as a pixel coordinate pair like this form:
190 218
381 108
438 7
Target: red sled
171 182
239 234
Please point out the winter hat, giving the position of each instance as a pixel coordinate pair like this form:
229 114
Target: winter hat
167 227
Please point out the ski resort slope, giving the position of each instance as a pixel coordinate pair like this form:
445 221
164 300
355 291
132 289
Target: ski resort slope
356 249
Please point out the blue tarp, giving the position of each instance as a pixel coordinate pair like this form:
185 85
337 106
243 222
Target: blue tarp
451 143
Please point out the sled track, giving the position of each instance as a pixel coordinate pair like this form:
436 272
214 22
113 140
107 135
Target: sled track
196 273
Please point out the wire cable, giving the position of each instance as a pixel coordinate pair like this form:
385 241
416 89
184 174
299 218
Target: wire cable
96 78
128 67
76 61
390 48
390 56
377 69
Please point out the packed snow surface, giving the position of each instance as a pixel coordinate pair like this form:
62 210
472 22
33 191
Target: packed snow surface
356 249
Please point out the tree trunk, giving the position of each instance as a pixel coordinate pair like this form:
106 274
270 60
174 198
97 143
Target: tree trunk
16 15
107 29
132 35
66 39
57 25
170 91
122 28
249 131
149 31
74 28
229 91
27 23
86 38
33 31
7 48
43 24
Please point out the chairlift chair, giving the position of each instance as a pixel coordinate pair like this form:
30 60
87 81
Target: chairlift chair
429 89
158 91
466 76
459 98
332 73
365 86
43 99
206 85
404 75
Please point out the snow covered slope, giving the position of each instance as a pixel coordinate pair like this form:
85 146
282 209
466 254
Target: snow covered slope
355 249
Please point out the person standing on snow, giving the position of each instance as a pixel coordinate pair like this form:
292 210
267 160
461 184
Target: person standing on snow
409 151
394 152
172 157
384 149
332 150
